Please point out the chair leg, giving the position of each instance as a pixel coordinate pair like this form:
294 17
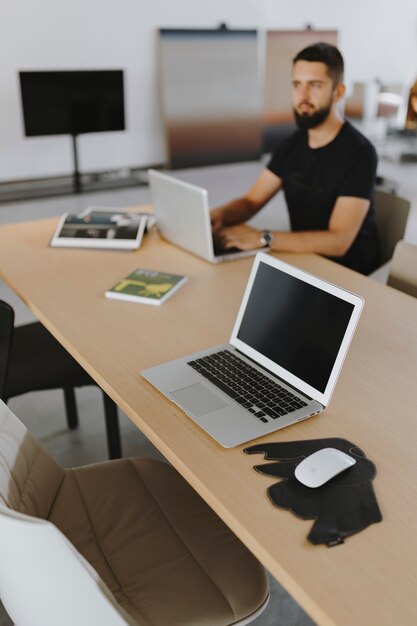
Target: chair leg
112 428
71 407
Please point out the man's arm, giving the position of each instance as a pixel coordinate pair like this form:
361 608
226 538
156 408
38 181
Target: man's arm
242 209
345 221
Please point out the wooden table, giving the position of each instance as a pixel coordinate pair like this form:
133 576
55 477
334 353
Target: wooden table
369 580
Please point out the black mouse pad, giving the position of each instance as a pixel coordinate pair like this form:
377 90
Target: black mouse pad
345 505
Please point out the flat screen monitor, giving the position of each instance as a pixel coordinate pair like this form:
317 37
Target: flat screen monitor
68 102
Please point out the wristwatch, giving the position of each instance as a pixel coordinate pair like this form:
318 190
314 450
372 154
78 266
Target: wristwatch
266 238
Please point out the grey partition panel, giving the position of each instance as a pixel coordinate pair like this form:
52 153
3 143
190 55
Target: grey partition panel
281 47
211 96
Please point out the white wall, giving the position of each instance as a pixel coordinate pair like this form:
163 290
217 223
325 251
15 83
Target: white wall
377 37
74 34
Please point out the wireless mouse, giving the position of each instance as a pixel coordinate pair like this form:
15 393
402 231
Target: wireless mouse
318 468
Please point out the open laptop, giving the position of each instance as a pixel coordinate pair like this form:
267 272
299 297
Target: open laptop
287 347
183 217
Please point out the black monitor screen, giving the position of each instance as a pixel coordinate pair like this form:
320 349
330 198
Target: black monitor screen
72 102
297 325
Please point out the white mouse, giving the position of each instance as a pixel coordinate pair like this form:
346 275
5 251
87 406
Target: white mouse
321 466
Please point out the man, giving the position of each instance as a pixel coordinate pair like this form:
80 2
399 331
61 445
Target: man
327 171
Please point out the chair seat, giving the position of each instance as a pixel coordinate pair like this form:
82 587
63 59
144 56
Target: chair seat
38 361
150 537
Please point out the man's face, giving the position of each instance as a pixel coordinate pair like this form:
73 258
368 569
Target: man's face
313 93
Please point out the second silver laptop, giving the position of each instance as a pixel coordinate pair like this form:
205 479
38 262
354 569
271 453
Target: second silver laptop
183 217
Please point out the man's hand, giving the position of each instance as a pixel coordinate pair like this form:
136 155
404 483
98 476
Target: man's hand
241 236
216 216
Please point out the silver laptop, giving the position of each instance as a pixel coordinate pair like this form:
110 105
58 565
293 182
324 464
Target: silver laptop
183 217
281 364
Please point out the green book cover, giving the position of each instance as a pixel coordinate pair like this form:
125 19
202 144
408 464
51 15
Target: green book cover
146 286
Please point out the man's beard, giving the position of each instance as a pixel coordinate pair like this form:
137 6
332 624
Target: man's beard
311 120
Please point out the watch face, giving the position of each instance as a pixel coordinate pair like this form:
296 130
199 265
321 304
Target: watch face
265 238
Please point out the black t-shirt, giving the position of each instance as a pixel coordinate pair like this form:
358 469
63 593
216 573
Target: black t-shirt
313 179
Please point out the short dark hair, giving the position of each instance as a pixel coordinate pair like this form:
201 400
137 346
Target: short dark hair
324 53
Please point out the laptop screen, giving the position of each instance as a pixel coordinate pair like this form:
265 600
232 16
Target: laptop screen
295 324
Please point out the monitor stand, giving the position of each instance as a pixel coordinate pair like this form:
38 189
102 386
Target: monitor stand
76 174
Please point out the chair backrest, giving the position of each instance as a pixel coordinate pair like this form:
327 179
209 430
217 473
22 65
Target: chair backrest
403 268
6 338
391 214
29 477
44 581
37 562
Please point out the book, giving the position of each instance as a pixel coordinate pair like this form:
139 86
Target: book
146 286
100 228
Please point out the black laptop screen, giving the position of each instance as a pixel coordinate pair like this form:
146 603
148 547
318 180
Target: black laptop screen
297 325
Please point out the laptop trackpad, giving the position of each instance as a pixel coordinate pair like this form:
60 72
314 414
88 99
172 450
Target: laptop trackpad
198 399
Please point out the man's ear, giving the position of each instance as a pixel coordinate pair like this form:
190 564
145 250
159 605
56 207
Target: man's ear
338 92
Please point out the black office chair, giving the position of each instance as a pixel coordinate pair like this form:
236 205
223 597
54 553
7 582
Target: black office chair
31 359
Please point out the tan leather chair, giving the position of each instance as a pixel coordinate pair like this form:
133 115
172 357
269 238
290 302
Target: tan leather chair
403 268
391 214
144 549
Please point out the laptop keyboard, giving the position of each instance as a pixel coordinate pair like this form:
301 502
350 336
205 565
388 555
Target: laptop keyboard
220 250
254 391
